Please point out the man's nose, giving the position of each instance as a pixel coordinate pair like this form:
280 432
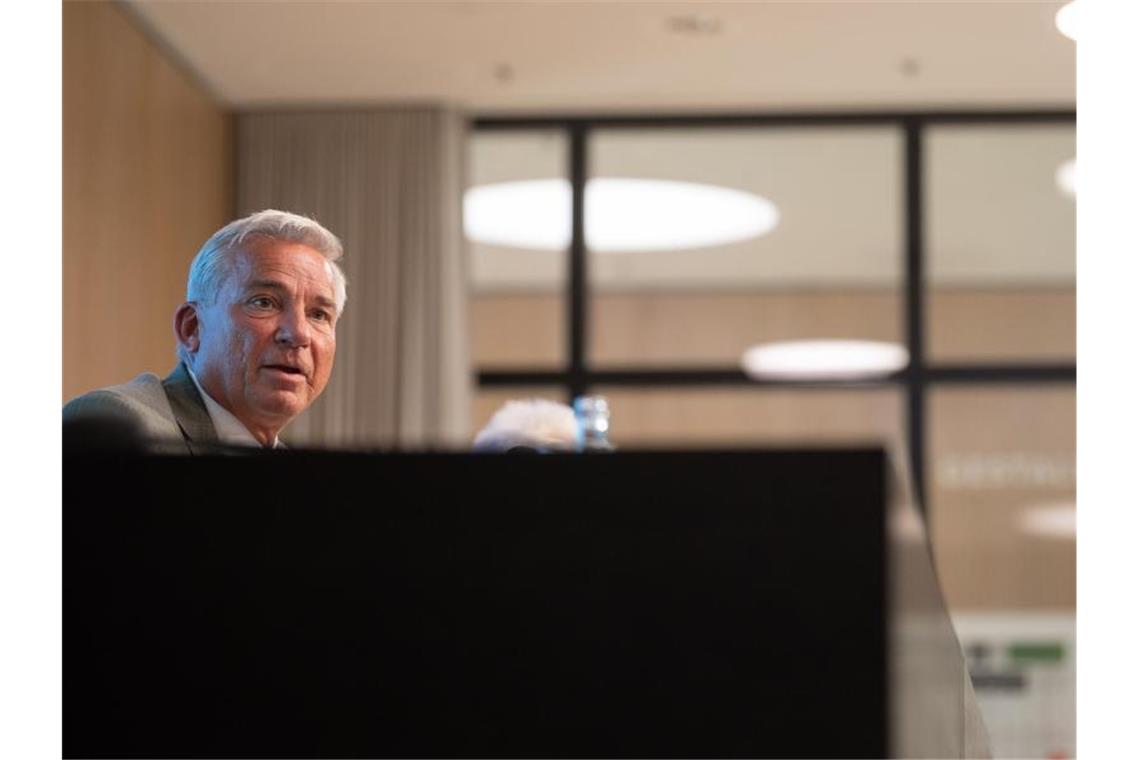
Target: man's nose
293 329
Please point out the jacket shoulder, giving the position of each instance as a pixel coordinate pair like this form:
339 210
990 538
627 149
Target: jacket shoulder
138 397
129 414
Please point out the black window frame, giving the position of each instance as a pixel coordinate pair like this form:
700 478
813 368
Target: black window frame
577 377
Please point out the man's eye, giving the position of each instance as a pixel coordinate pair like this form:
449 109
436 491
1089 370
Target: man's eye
261 302
322 315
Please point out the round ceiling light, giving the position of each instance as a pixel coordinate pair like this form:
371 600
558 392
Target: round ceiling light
1066 20
622 215
1067 178
824 360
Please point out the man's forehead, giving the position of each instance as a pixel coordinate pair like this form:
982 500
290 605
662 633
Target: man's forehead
284 263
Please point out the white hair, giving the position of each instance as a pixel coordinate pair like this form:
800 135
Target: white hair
215 259
532 423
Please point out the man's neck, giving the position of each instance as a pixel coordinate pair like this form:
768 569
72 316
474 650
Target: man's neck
228 427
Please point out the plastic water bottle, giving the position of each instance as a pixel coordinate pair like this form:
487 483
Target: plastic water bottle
593 415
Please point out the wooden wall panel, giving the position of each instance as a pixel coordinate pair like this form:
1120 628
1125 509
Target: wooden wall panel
147 177
716 328
709 328
1003 324
525 329
748 417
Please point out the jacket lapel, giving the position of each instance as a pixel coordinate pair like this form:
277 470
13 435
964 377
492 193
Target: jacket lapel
189 410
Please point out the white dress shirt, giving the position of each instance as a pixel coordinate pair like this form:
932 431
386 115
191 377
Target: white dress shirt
229 428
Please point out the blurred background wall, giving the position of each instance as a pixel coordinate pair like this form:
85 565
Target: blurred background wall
148 175
155 94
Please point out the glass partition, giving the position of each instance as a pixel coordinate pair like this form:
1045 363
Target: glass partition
739 236
518 259
1001 221
1003 518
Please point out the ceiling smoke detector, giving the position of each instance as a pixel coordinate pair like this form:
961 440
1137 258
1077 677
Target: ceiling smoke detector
693 25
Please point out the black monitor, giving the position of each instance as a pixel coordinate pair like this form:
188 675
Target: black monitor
637 604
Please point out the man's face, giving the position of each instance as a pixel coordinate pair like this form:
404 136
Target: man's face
266 345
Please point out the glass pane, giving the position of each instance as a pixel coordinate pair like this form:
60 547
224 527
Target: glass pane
1002 243
751 416
667 290
1002 496
1003 523
518 260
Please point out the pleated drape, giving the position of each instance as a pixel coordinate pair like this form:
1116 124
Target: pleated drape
389 183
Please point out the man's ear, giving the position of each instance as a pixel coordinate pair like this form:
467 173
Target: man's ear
186 328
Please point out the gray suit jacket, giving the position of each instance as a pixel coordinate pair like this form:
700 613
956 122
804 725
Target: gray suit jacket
160 416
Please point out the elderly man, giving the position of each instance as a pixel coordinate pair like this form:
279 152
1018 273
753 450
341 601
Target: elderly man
256 340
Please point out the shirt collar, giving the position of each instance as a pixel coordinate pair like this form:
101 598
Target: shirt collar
229 428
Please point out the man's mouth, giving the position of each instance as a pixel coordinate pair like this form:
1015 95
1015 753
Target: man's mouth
287 369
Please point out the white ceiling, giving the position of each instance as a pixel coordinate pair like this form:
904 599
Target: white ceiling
575 56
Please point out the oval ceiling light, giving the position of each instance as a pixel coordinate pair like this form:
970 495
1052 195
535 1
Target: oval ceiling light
1067 178
661 215
527 214
622 215
824 360
1066 20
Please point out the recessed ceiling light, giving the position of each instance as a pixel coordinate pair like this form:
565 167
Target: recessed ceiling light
1051 520
824 360
622 215
1067 178
1066 20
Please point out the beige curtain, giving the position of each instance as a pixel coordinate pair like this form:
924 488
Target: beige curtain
389 183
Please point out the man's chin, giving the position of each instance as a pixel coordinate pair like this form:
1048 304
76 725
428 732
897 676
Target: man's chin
281 406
